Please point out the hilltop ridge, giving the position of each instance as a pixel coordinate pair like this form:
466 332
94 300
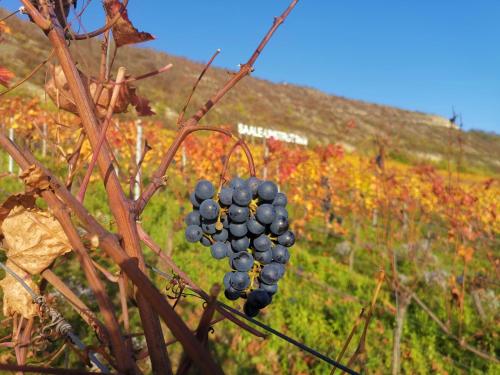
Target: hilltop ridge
410 136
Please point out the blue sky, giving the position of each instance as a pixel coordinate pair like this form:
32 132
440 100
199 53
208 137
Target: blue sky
425 55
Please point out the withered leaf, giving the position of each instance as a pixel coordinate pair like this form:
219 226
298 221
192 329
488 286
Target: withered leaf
33 238
58 90
35 179
123 30
16 299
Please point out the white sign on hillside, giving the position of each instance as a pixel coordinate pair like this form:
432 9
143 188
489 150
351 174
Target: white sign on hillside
258 132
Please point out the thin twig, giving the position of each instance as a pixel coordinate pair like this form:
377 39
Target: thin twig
207 66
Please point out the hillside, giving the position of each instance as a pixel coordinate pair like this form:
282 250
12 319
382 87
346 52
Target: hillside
411 136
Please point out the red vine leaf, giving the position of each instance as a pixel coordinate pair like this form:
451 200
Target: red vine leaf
123 31
140 103
5 76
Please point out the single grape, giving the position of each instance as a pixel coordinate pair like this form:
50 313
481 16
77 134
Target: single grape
208 226
269 288
226 279
279 225
250 311
254 227
194 201
226 196
232 294
287 239
221 235
258 299
218 250
239 280
267 191
238 214
253 184
241 261
238 230
240 244
262 243
281 211
229 249
205 241
270 274
209 209
193 233
237 183
264 257
280 254
242 196
193 218
265 213
280 267
280 200
204 190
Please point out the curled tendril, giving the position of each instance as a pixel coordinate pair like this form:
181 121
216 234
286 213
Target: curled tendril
211 330
52 326
175 287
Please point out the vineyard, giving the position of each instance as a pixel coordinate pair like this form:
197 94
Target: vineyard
110 225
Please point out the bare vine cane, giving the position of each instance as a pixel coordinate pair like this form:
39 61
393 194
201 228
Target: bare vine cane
245 69
118 202
109 243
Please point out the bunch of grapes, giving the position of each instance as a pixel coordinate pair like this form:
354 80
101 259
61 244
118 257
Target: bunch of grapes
245 221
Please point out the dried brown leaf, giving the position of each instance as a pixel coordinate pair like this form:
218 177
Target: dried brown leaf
35 179
16 299
123 31
33 238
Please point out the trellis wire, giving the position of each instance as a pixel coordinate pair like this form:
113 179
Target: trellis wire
271 330
66 328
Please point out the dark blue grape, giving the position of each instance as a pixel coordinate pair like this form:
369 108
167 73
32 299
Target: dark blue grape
238 214
237 183
226 196
209 209
208 226
280 200
239 280
280 267
255 227
250 311
267 191
226 279
269 288
204 190
259 299
205 241
287 239
253 184
281 211
240 244
193 233
262 243
229 249
218 250
279 225
194 201
270 273
193 218
264 257
221 235
238 230
232 294
280 254
241 261
265 213
242 196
